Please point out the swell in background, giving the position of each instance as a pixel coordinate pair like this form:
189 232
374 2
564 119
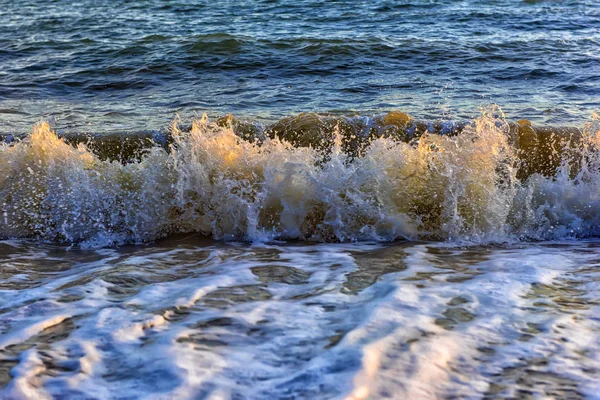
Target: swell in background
103 66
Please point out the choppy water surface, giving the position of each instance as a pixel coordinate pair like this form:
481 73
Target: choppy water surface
439 246
103 66
190 318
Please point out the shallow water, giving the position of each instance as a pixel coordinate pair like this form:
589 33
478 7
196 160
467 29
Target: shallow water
188 317
438 246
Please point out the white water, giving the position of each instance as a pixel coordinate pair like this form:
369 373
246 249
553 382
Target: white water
194 319
212 182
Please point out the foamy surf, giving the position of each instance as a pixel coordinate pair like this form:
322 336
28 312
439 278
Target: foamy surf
310 179
187 318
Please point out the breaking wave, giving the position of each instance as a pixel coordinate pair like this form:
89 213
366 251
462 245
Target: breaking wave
308 177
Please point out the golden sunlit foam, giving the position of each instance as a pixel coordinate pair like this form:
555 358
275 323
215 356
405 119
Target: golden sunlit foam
469 186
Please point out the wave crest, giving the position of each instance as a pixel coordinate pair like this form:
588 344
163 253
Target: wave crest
311 178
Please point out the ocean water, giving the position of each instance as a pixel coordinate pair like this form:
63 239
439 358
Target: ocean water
299 200
98 66
188 318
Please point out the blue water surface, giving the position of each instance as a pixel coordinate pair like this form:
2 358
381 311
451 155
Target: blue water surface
99 65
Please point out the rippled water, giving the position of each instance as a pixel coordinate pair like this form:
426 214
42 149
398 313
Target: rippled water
437 246
130 66
189 318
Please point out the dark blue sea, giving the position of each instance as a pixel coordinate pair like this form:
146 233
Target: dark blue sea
108 65
299 199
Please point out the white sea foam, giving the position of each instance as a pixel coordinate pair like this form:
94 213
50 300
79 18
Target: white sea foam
462 187
348 321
